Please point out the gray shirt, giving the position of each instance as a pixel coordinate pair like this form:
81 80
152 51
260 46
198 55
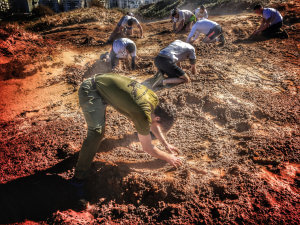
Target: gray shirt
184 15
201 27
178 51
123 22
119 47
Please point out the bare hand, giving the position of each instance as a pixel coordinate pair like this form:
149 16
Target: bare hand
174 161
172 149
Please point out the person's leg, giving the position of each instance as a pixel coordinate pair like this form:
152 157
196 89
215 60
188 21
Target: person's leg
213 34
94 112
114 60
272 31
175 74
177 80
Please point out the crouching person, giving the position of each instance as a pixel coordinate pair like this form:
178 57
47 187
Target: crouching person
123 48
135 101
125 27
271 23
184 18
168 62
212 31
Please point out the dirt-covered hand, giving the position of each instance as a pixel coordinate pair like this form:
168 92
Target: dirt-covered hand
174 161
172 149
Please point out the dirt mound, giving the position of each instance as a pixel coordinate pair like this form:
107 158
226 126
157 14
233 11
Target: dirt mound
160 9
19 48
79 16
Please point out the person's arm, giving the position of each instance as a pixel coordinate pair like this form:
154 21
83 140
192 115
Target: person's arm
141 30
155 152
133 58
174 26
180 26
193 69
156 130
205 14
194 34
264 24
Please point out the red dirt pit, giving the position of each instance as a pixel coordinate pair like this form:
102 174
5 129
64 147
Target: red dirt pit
237 128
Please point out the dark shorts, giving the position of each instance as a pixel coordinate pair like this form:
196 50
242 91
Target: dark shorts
272 30
214 32
166 66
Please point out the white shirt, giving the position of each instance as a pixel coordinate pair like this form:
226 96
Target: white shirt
179 51
273 14
125 20
119 47
201 26
184 15
200 15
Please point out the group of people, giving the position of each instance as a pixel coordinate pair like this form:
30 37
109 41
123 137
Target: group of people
136 101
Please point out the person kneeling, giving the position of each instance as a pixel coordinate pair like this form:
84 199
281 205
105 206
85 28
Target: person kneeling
168 62
122 49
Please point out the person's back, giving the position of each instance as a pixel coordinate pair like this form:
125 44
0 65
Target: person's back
119 47
179 51
184 15
273 14
203 26
129 97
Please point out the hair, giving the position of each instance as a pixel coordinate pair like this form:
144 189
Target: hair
166 114
130 47
174 12
130 22
258 6
202 7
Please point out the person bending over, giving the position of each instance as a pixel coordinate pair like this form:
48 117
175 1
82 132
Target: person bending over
125 27
184 19
271 23
212 31
132 99
168 62
122 49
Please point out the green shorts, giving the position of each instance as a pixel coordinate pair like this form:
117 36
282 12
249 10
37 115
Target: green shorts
193 19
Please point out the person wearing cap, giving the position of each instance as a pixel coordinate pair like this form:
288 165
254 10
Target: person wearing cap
184 19
132 99
201 13
271 22
125 27
168 62
123 48
212 31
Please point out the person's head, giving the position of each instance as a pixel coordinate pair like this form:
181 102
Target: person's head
202 8
130 22
174 13
164 115
258 9
129 14
130 47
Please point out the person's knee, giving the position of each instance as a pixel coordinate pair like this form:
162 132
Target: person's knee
97 131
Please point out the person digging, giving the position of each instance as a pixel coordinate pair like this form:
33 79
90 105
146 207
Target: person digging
123 48
271 23
168 62
125 28
132 99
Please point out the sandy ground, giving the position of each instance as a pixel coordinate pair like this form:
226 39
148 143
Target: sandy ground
237 127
